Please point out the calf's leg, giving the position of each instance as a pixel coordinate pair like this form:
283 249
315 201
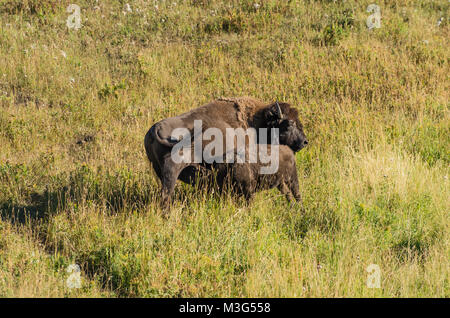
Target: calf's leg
284 189
295 189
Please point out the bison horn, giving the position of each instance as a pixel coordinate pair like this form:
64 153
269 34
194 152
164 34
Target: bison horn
280 114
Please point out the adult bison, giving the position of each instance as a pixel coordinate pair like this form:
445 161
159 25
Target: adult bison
221 114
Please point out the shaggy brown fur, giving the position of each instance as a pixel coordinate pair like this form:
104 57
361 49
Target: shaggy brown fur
246 178
241 112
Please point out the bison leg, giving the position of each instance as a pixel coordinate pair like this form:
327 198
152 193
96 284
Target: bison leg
294 191
170 173
246 189
284 189
242 181
295 188
248 195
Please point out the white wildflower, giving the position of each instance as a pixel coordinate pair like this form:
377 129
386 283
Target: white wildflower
74 279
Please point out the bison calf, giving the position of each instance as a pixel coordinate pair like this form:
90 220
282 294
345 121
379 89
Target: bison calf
246 178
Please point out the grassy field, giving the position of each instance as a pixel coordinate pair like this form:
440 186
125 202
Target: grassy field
77 188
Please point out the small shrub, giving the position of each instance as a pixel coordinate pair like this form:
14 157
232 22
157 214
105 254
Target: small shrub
110 90
338 28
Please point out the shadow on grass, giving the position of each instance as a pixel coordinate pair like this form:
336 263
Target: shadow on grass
40 206
115 191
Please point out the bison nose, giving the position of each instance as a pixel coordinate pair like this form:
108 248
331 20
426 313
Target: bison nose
305 142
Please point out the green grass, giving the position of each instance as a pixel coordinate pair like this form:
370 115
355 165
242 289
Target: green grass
76 186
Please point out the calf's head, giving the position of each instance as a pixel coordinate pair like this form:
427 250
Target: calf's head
285 118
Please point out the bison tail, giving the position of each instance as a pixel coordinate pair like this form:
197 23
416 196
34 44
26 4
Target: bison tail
153 135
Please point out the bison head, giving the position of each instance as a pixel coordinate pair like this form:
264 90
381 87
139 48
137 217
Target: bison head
285 118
